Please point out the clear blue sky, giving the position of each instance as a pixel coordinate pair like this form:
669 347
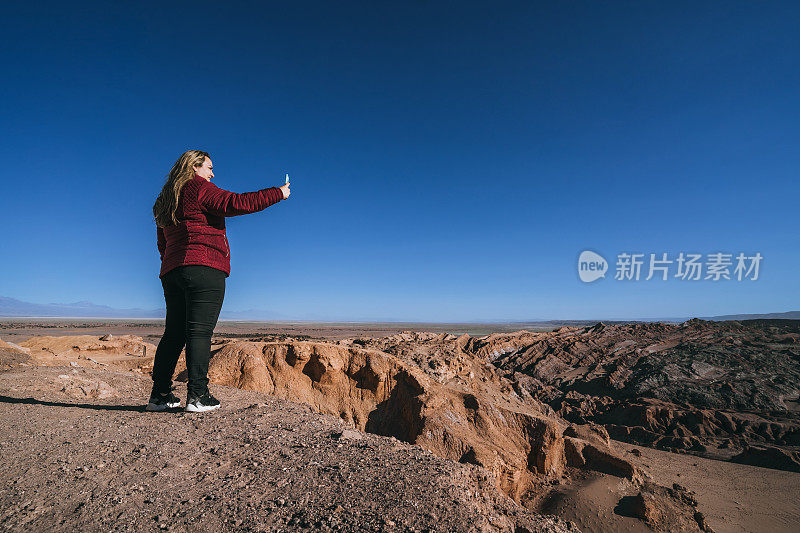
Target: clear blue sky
449 160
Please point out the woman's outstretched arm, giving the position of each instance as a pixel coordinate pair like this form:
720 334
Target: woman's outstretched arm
224 203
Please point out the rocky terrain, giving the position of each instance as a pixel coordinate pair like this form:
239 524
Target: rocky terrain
531 412
75 462
718 389
726 390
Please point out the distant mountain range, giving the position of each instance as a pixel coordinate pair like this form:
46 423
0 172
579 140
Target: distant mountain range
11 307
789 315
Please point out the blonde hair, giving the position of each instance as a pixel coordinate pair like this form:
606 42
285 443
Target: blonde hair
182 171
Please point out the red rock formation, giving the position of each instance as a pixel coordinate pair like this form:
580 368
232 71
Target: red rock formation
515 440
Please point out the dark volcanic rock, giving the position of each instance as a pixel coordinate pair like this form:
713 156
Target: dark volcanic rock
698 386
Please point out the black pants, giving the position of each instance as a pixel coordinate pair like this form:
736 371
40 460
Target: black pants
194 295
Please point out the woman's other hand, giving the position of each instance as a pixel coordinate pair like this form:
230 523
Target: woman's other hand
285 190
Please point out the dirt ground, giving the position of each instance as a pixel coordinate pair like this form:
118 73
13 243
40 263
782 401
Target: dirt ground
733 497
257 464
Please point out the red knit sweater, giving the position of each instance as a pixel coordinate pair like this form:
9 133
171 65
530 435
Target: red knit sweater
199 237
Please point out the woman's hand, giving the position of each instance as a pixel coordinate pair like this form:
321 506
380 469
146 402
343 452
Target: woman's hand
285 190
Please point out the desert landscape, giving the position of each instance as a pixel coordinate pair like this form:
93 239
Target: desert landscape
641 426
465 267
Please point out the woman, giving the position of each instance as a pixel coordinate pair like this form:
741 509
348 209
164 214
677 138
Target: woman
195 260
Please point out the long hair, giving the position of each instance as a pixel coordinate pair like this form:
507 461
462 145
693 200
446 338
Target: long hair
182 171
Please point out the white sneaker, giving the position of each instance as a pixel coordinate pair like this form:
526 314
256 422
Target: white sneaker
160 402
204 403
